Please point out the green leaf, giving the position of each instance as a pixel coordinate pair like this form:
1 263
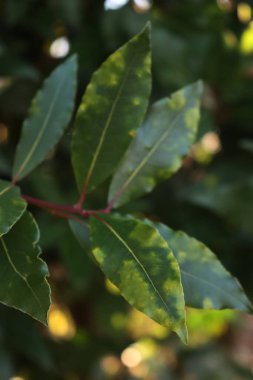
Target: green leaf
23 273
49 115
159 146
112 108
81 231
206 283
12 206
135 257
82 234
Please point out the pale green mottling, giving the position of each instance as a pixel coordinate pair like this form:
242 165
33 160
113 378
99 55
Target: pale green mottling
117 59
132 133
139 262
192 118
177 101
136 101
160 145
207 303
206 283
99 256
182 256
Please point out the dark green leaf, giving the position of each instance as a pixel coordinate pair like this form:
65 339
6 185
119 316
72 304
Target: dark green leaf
206 283
159 146
23 273
135 257
12 206
82 233
74 256
49 115
112 108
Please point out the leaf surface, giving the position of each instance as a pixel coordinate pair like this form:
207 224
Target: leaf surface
206 283
48 117
139 262
23 273
12 206
159 146
113 106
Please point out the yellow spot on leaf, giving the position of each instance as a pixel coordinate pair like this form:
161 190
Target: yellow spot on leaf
136 101
191 118
132 133
99 256
207 303
111 287
177 101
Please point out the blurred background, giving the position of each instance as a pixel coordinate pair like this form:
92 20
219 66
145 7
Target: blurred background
93 333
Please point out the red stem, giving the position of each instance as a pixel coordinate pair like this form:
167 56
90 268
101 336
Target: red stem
81 200
63 209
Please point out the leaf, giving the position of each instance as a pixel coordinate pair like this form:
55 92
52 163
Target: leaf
113 106
159 146
139 262
76 261
49 115
12 206
23 273
81 231
206 283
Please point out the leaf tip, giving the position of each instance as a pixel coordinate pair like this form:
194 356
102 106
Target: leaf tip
182 333
199 85
146 31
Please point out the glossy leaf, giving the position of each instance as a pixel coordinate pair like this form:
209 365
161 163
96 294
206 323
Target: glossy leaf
112 108
49 115
206 283
23 273
159 146
12 206
139 262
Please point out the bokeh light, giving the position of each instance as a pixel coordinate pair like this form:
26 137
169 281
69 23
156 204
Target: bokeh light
246 43
244 12
60 323
59 47
114 4
3 133
131 357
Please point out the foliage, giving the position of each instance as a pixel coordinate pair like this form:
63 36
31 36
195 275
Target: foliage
133 254
210 196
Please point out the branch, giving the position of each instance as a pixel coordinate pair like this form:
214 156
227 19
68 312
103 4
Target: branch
59 209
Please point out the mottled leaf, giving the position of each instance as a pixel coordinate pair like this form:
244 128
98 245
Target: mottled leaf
49 115
135 257
206 283
159 146
23 273
112 108
12 206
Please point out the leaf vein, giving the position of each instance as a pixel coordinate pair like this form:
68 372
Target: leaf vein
20 274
